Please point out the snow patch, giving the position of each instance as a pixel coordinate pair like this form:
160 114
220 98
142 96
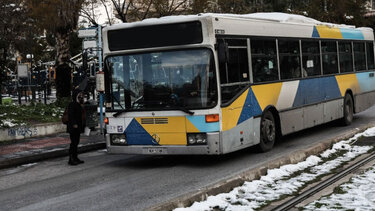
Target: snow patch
8 123
278 182
359 194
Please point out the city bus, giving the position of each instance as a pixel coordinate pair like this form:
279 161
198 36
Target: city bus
217 83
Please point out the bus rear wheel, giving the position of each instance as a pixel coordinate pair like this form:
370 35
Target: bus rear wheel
348 110
268 132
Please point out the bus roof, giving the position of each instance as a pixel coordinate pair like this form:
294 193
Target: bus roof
214 24
271 16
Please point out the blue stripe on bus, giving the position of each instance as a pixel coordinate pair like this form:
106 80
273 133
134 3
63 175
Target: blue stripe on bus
331 88
315 33
366 83
200 123
316 90
250 108
352 34
137 135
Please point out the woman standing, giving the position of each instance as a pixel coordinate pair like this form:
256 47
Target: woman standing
76 125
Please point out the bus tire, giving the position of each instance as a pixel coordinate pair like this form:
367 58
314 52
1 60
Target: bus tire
268 132
348 110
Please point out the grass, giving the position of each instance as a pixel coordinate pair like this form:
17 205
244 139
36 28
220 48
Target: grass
18 115
339 190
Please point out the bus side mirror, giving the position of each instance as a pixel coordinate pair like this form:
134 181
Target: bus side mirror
223 51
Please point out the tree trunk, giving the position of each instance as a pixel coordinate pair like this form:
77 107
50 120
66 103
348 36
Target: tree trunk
63 70
2 74
1 88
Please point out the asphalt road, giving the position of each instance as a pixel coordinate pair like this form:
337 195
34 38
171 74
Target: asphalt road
128 182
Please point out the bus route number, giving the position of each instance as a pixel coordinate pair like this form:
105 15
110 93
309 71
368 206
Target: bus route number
219 31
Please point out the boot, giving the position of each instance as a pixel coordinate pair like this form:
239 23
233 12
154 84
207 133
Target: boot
72 161
78 160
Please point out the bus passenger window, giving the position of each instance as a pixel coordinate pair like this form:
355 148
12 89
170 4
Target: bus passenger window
346 59
359 56
238 66
264 60
370 55
329 56
234 68
290 65
311 57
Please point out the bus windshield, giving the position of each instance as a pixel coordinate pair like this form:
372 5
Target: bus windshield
167 80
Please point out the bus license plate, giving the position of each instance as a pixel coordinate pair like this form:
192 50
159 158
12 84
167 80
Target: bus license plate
155 150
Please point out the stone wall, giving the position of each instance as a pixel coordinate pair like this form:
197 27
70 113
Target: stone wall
22 132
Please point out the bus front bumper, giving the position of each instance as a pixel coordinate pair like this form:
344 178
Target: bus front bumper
212 148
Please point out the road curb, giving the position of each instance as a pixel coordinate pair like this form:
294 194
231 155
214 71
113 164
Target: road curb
11 162
252 174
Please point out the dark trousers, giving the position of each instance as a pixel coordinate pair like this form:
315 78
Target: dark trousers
74 141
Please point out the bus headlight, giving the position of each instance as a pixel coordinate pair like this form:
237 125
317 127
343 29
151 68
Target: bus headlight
197 138
118 139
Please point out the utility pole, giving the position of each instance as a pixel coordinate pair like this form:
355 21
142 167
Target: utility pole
100 78
93 41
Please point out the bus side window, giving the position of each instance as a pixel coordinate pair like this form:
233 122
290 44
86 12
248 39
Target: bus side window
238 67
359 56
311 57
290 64
329 55
345 55
370 55
234 67
264 60
233 61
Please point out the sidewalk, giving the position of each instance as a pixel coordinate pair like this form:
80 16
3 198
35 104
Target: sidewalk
31 150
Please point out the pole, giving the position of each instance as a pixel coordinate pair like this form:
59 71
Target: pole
19 94
45 94
101 112
32 89
100 70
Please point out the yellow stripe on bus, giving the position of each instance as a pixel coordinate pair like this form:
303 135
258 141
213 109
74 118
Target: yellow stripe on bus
346 82
267 94
173 124
329 32
231 114
170 132
172 138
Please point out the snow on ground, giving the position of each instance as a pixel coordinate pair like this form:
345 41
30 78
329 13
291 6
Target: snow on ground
7 123
287 179
358 194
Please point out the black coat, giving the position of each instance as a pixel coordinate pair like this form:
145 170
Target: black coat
77 116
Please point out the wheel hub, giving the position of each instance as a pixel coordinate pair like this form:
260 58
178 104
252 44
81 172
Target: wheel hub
269 130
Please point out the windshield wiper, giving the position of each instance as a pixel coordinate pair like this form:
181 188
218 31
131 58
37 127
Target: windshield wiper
117 101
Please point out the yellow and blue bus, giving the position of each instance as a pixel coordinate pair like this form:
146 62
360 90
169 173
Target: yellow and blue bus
217 83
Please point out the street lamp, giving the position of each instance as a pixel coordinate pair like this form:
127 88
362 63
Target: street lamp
31 57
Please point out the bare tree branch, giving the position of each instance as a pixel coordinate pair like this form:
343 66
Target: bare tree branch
89 17
106 11
178 6
148 10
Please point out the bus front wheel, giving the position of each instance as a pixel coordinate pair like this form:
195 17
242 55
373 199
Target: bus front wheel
267 132
348 110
